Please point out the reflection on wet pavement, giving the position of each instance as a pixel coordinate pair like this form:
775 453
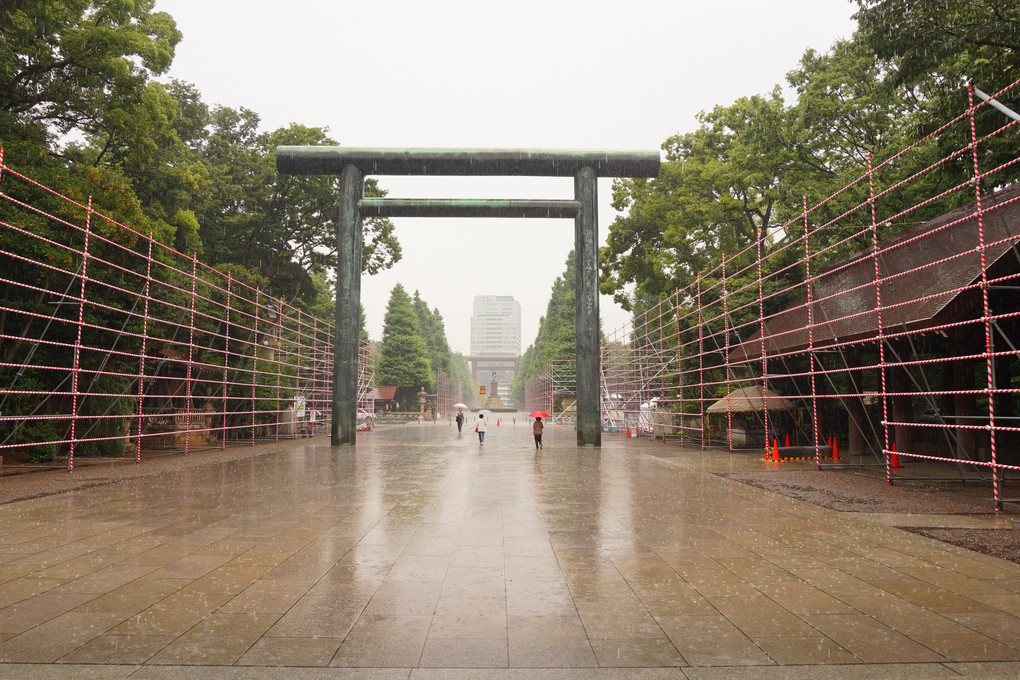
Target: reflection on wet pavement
419 550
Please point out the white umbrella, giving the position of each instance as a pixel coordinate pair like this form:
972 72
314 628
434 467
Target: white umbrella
485 412
460 405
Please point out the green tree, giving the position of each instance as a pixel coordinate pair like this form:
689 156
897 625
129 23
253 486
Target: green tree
283 225
460 370
403 355
433 332
932 48
556 332
719 186
79 66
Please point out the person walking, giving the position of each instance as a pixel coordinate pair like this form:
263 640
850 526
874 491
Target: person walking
460 420
480 429
537 428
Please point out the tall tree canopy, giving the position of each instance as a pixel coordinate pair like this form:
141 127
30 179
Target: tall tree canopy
80 66
556 332
742 173
79 99
403 359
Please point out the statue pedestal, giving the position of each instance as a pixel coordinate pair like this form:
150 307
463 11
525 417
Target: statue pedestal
493 401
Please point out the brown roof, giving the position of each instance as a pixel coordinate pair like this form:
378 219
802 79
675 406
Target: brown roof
922 271
749 400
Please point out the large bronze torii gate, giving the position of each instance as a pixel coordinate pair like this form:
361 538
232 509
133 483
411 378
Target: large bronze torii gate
353 164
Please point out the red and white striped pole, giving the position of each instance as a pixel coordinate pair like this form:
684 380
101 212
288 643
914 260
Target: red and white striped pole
986 308
277 352
679 365
254 362
878 318
701 367
191 354
811 337
77 342
226 361
726 355
141 356
764 359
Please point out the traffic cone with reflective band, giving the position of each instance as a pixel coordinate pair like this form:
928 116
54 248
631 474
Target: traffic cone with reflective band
775 449
894 460
835 449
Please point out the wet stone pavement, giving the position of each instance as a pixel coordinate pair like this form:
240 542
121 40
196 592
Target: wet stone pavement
418 554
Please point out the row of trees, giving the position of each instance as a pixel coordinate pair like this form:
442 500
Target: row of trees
414 348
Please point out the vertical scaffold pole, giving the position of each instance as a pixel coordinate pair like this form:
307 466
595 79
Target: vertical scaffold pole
315 369
726 356
141 355
277 354
679 366
986 307
299 371
226 362
878 320
701 367
76 370
344 427
764 358
191 353
811 338
254 361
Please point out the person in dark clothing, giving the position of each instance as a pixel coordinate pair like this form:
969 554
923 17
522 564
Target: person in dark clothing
460 420
537 428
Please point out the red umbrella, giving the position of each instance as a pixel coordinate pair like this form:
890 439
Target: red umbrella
538 414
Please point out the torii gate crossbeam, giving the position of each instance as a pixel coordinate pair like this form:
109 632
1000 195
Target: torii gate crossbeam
353 164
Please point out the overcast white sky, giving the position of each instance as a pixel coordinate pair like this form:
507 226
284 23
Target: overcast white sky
564 74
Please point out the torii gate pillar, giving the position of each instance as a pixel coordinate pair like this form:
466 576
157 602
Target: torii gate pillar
353 164
588 350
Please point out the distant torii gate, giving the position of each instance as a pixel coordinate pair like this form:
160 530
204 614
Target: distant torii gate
353 164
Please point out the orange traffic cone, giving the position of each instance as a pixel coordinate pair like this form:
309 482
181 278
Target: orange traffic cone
775 449
628 433
894 459
497 422
835 449
787 438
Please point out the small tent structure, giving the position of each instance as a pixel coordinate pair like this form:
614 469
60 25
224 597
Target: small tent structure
749 400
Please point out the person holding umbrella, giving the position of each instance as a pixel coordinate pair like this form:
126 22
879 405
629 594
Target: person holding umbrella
537 427
480 429
460 420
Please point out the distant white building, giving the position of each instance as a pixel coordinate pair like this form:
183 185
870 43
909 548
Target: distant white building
495 341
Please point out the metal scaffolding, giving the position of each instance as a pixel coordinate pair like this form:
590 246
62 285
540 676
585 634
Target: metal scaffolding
902 353
116 347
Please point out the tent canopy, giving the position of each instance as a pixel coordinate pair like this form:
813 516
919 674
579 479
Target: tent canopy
748 400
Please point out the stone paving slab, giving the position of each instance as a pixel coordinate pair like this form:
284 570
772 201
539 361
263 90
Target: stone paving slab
419 554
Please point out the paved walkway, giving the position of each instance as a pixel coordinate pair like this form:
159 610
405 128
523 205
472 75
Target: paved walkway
418 554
